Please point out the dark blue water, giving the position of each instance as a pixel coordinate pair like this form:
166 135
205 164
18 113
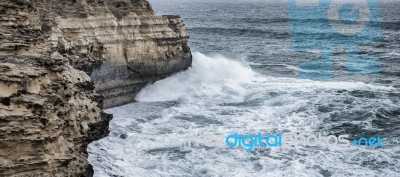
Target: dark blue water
260 32
246 78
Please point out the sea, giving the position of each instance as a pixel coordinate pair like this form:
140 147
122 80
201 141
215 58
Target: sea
261 66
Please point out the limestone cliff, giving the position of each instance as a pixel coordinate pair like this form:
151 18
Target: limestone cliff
59 59
48 115
119 43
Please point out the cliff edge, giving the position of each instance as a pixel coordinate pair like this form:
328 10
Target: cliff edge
61 62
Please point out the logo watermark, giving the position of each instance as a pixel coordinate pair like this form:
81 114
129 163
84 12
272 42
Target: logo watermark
323 26
249 142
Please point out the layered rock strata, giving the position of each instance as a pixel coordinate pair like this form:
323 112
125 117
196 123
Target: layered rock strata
59 59
48 115
120 44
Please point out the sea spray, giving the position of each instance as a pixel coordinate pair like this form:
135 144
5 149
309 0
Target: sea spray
208 76
176 125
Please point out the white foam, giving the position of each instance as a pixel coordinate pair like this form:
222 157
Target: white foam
179 125
207 77
211 76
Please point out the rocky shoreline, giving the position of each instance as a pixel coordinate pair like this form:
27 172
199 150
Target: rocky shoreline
61 62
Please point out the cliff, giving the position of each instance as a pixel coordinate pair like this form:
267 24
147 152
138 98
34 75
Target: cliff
61 62
120 44
48 115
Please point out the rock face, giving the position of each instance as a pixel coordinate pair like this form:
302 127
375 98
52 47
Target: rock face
48 115
120 44
59 59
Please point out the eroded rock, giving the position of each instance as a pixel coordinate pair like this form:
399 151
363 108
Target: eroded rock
61 62
47 118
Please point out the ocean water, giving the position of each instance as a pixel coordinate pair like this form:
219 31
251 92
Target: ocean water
245 79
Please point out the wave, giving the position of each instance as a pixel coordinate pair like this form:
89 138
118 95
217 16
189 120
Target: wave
208 76
239 32
219 76
183 120
300 20
305 33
